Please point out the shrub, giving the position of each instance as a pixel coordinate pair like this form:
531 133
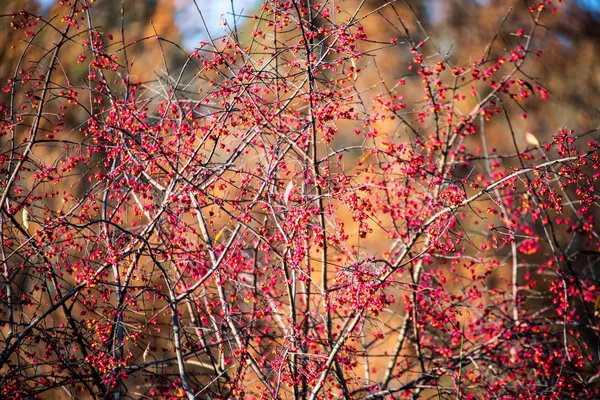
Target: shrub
291 212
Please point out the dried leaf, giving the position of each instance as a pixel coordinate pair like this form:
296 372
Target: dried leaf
531 139
146 351
288 191
355 71
26 219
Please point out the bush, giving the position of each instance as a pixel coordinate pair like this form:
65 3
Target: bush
290 211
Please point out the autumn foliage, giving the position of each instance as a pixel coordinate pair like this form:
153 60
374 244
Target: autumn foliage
280 214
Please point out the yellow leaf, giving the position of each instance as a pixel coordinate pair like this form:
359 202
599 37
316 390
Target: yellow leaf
365 156
219 234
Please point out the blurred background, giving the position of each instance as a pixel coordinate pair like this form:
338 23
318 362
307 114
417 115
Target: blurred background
460 28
